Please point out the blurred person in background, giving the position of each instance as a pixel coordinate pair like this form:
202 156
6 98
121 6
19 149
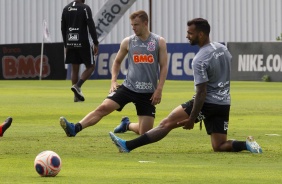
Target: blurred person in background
79 33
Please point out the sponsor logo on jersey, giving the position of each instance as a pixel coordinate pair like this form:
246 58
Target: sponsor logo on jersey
143 58
217 54
143 85
202 71
73 37
222 84
72 9
151 46
73 29
143 45
74 45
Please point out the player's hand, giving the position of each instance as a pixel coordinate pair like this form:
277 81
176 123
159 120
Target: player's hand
187 124
114 86
95 50
156 97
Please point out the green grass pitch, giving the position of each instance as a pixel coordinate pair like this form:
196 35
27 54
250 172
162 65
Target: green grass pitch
184 156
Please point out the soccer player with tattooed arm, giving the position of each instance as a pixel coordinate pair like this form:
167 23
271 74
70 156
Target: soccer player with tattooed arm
210 104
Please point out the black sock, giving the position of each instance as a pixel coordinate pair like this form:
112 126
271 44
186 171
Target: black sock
239 146
79 83
77 127
139 141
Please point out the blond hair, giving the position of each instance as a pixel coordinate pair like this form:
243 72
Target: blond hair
140 14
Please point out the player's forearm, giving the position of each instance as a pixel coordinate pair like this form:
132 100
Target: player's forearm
92 31
115 71
163 75
64 32
198 104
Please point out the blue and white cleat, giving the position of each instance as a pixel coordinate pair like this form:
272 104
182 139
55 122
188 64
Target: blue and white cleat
252 145
123 127
119 143
68 127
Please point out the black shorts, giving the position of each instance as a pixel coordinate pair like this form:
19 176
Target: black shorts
142 101
215 117
83 55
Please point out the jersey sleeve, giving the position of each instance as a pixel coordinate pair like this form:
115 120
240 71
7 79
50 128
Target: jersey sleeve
91 25
200 72
64 28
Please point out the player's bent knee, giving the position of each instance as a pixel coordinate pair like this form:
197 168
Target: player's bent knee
103 110
166 124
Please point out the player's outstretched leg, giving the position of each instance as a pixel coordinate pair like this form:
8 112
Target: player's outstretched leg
77 92
5 125
252 145
119 143
123 126
69 128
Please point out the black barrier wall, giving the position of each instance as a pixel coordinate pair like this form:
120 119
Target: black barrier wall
251 61
22 61
254 60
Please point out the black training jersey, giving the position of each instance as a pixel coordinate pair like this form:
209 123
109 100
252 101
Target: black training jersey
77 25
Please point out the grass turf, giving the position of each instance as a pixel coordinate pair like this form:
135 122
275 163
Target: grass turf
184 156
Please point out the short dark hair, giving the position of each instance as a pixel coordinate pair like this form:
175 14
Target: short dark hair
201 25
140 14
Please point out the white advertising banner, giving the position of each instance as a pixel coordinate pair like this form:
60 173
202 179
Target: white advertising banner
109 15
